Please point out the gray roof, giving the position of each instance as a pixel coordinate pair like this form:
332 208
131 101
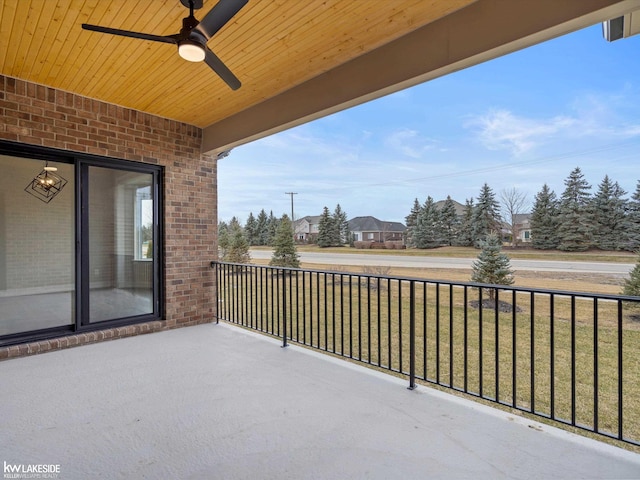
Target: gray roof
311 219
372 224
521 217
458 206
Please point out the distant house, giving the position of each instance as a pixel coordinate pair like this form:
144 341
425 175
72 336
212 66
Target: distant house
521 229
306 228
522 223
370 229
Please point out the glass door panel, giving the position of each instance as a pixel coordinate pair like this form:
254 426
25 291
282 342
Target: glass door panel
120 243
37 243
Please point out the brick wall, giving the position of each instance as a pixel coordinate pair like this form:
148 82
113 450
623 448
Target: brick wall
39 115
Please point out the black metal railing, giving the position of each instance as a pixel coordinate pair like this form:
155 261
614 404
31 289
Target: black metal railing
570 357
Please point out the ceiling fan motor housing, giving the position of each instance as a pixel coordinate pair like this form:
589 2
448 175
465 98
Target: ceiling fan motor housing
188 24
195 4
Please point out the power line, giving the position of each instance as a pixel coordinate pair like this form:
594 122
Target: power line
493 168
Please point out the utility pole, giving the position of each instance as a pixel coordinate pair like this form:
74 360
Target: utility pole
291 194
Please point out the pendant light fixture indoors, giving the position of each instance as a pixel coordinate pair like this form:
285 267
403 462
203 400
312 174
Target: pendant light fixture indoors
47 184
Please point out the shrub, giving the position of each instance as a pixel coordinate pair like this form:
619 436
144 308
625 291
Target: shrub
492 266
632 284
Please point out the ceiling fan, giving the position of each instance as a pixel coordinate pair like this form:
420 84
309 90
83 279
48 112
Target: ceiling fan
194 35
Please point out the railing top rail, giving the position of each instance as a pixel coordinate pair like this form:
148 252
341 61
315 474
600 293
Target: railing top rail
509 288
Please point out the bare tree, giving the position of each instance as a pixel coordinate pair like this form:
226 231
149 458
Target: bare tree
514 203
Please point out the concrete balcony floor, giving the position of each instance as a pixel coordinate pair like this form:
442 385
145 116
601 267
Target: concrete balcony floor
216 402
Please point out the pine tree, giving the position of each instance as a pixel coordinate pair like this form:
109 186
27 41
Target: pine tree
411 221
325 228
486 216
262 228
285 253
608 208
632 284
238 247
427 233
632 238
544 220
574 218
251 230
465 233
223 240
272 227
492 266
449 221
340 234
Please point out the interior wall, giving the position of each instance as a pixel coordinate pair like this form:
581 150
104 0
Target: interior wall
102 227
36 250
38 115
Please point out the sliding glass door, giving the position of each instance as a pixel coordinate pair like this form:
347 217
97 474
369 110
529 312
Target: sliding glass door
120 236
79 253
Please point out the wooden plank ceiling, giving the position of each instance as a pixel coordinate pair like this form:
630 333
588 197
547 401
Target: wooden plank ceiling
270 45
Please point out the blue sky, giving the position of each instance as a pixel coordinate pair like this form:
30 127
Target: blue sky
519 121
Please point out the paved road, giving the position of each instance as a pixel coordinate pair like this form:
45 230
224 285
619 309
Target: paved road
442 262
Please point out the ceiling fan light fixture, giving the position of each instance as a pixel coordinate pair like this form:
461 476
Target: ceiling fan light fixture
191 51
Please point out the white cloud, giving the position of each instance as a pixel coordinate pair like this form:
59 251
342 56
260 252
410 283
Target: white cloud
609 116
409 142
630 131
591 115
502 130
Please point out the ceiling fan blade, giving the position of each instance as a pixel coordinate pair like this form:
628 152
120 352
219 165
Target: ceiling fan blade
127 33
218 16
221 69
